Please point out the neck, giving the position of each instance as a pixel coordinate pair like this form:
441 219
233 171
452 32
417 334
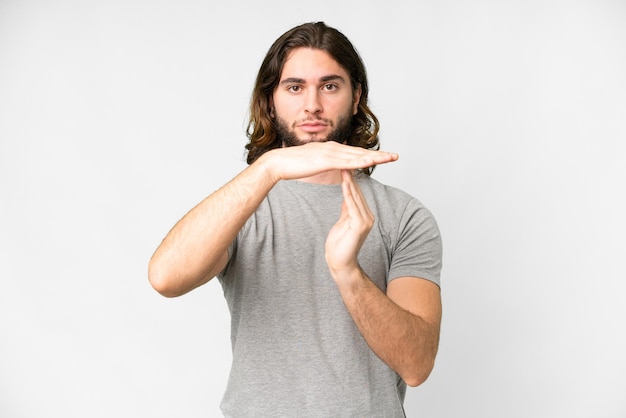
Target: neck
327 177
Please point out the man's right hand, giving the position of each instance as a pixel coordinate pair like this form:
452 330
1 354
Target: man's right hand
310 159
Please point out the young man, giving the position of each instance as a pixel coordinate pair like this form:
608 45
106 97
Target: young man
331 278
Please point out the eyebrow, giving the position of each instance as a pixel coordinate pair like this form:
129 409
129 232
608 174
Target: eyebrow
325 79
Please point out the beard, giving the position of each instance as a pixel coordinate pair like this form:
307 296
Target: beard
341 133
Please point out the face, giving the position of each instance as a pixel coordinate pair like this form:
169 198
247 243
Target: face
314 100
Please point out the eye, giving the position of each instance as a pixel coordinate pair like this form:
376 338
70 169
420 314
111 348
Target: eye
294 88
330 87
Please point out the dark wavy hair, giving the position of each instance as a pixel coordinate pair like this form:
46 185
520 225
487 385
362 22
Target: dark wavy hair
261 130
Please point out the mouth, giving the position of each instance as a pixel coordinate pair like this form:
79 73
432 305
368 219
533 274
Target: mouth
313 126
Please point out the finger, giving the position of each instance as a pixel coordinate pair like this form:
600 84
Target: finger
357 157
344 214
357 194
371 158
354 197
348 198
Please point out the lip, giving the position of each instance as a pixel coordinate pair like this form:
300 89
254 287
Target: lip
313 126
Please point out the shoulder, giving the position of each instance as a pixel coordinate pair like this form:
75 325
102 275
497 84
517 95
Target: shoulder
399 213
390 198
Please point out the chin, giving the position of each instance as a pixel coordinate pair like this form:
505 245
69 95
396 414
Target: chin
314 138
293 141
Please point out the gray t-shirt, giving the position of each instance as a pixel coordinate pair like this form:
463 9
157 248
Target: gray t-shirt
296 350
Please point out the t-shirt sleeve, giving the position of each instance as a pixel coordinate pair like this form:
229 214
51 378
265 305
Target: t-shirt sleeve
232 247
418 251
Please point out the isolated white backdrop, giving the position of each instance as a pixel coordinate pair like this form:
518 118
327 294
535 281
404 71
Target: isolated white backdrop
116 117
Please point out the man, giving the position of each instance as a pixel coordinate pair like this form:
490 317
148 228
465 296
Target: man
331 278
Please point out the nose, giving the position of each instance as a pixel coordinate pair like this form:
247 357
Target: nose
313 104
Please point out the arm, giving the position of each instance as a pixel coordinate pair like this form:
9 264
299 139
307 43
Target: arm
402 326
195 250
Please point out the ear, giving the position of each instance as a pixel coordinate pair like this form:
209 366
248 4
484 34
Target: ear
356 99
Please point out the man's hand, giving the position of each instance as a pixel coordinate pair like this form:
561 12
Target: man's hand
400 326
346 237
307 160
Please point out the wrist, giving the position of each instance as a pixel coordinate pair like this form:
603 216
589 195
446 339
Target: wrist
266 168
349 278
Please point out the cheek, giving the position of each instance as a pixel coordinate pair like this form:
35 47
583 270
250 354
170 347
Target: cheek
286 109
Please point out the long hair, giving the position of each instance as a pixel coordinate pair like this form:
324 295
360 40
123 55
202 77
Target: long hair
261 130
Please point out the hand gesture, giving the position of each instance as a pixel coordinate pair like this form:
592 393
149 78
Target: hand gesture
346 237
318 157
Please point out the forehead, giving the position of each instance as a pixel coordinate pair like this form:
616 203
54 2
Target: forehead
311 64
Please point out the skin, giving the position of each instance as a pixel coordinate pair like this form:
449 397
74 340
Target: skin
314 107
402 325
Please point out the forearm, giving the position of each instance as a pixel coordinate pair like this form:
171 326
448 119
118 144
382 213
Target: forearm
194 250
191 253
407 343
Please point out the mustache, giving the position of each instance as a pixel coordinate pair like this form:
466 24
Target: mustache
328 122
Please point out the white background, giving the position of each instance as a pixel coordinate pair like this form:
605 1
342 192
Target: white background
117 116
